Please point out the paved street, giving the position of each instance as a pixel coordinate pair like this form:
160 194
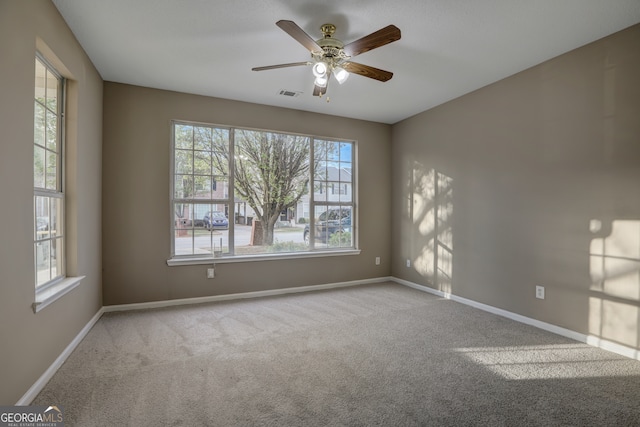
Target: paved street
204 240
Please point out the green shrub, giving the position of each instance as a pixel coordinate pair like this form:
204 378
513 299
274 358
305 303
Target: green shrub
302 221
287 247
340 239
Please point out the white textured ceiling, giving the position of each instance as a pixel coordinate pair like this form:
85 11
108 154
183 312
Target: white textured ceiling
448 47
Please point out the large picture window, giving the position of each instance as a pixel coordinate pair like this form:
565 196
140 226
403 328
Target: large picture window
48 219
242 192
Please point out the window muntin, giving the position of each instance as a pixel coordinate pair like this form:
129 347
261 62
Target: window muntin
48 217
270 170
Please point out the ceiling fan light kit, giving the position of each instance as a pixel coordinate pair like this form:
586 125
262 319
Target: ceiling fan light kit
332 57
320 69
341 74
321 81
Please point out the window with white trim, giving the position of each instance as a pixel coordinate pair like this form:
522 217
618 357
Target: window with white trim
242 192
48 186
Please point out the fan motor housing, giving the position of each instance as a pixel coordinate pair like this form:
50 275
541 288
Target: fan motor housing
332 47
330 42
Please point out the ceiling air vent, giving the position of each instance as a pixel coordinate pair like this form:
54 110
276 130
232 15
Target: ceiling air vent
291 93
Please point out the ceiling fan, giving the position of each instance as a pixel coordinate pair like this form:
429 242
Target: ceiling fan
330 56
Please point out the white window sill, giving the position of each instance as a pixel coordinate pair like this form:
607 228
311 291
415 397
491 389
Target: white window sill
57 290
200 260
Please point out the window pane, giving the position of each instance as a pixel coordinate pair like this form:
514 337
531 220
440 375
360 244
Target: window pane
38 166
346 194
220 163
321 173
39 125
183 243
52 171
220 187
216 221
184 136
183 214
184 162
202 163
183 186
320 148
203 187
41 218
43 262
203 138
333 151
220 140
271 178
57 256
346 152
40 81
320 191
52 92
333 226
55 226
51 130
321 232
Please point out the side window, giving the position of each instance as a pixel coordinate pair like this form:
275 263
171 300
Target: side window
48 188
200 190
333 167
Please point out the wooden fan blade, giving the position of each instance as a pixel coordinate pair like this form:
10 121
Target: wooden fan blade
298 33
272 67
367 71
381 37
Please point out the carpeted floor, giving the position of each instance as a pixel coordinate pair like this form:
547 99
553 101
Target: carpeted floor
375 355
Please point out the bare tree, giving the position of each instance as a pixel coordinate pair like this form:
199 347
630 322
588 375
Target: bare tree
271 173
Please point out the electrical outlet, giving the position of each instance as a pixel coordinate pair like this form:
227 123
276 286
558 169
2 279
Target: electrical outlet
211 273
377 260
540 292
408 263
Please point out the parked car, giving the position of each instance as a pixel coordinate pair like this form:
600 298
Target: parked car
215 220
329 222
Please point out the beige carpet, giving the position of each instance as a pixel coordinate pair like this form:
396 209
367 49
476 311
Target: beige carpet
362 356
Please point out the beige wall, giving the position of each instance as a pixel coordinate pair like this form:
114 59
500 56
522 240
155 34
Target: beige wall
533 180
136 198
538 183
31 342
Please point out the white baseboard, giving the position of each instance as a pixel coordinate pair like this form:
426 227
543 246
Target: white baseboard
37 387
227 297
594 341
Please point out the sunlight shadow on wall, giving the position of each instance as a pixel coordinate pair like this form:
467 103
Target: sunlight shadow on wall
430 208
614 302
539 362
